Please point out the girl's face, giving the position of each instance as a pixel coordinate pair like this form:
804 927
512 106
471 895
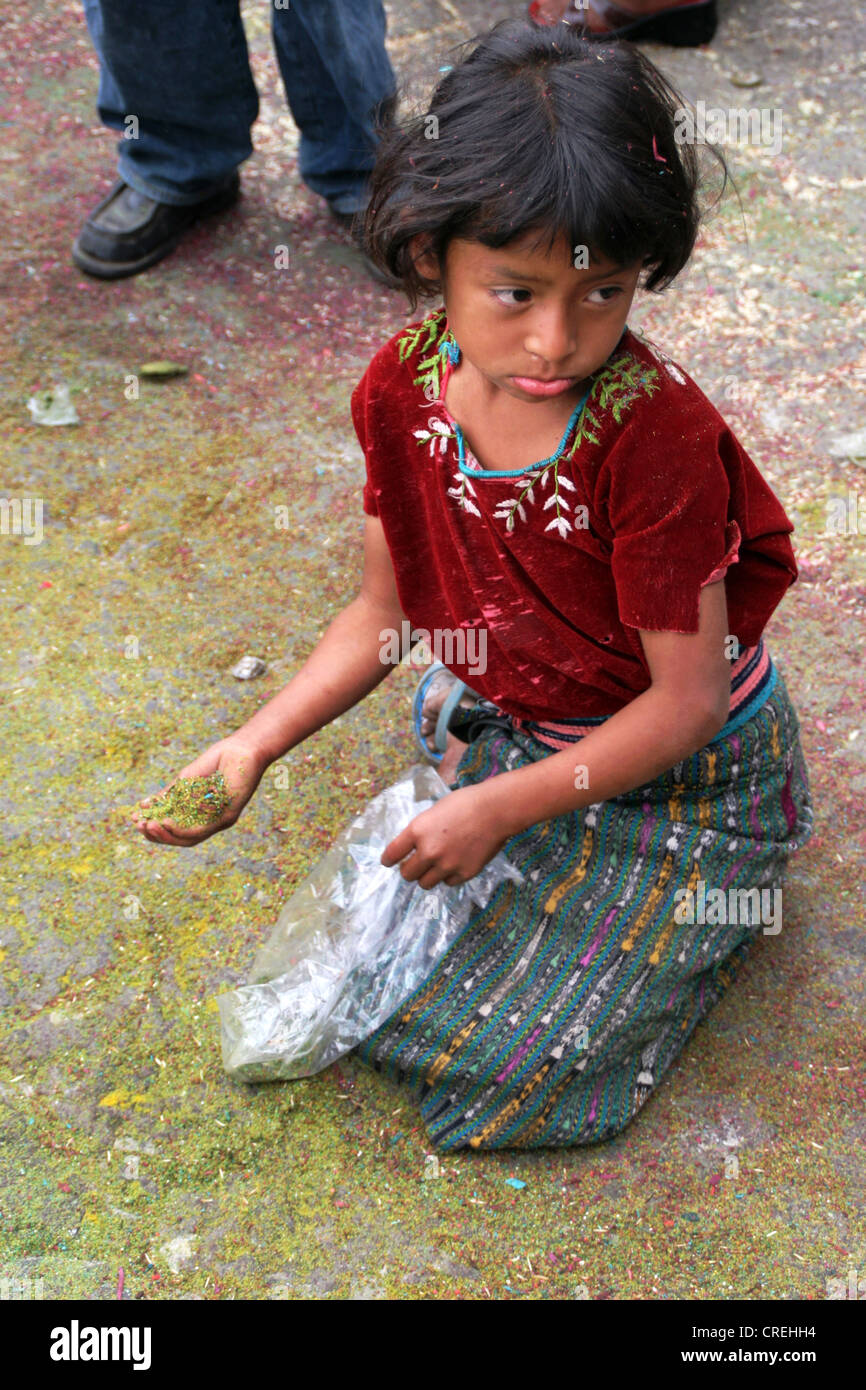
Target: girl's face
528 321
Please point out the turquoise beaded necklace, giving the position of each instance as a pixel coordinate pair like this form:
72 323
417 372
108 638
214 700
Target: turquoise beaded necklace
451 348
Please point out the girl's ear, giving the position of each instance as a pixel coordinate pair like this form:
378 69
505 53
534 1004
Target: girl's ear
423 256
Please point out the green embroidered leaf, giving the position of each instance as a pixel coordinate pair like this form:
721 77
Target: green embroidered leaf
615 390
432 331
410 341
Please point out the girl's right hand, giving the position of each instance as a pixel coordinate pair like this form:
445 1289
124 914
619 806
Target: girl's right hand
241 765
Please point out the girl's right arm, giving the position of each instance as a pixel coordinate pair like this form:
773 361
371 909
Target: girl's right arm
343 667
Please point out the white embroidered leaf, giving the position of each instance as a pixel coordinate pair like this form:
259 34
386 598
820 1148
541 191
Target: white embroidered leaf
544 478
564 505
529 495
470 488
521 512
470 507
559 524
508 502
551 502
564 482
455 492
509 525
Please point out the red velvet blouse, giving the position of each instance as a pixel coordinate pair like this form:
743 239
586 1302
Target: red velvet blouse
558 568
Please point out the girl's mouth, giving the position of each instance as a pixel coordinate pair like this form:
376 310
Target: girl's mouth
535 387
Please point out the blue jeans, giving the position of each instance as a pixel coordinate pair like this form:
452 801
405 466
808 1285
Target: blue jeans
181 68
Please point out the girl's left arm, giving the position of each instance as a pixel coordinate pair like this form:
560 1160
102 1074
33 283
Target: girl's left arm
685 706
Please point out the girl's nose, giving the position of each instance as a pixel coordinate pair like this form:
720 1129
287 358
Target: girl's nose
552 338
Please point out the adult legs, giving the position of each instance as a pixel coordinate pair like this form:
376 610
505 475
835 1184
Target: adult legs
175 80
339 82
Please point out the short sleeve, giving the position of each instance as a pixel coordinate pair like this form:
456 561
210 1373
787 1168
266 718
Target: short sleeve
731 556
359 407
668 507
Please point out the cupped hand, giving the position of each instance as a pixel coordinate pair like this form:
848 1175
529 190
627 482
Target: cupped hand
451 842
241 765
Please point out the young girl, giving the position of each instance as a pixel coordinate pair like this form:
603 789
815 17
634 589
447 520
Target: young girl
541 475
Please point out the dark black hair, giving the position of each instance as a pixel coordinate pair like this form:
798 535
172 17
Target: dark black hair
538 128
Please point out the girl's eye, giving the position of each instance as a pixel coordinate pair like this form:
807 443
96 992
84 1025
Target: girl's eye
513 302
607 292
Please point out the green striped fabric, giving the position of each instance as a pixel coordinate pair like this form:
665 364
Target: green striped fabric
558 1010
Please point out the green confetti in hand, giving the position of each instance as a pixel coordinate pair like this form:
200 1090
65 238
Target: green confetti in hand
191 801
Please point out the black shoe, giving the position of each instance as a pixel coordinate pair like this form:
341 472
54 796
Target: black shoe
353 223
128 232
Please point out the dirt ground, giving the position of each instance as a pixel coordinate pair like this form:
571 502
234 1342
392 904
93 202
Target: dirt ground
130 1160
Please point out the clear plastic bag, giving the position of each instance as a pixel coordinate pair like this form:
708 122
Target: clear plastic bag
353 941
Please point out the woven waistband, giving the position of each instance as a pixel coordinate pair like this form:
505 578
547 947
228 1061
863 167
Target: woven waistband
753 678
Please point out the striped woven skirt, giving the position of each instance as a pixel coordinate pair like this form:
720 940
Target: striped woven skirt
555 1014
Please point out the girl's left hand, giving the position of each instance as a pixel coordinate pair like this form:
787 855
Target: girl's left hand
451 842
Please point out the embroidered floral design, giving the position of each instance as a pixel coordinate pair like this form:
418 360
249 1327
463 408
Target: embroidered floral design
510 507
615 389
438 432
437 435
432 330
460 493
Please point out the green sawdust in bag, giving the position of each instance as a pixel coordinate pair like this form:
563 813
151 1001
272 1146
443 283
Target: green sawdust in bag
191 801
